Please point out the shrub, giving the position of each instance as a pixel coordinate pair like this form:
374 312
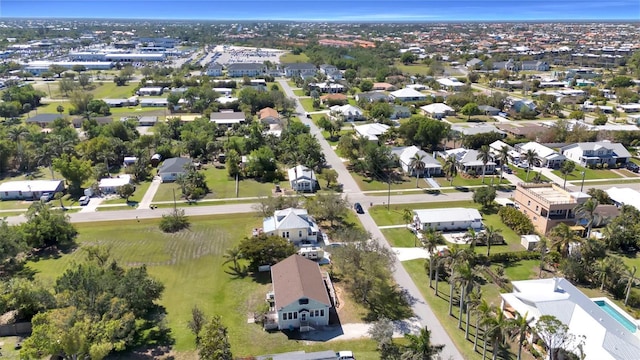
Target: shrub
516 220
514 256
174 221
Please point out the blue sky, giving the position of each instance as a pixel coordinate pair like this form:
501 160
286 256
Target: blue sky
333 10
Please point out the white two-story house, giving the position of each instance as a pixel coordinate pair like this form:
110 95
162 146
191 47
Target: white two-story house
296 225
601 152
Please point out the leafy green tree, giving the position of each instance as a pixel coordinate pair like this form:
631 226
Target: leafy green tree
366 85
380 111
576 114
328 206
555 335
125 191
174 221
484 195
75 170
214 343
60 109
197 322
57 69
601 119
516 220
330 175
12 243
66 86
407 58
47 227
469 110
262 163
233 163
265 250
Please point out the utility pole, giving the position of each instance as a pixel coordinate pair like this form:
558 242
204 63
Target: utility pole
389 192
175 206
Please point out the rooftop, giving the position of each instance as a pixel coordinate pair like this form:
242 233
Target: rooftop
296 277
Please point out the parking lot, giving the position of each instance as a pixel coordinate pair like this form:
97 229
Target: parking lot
235 54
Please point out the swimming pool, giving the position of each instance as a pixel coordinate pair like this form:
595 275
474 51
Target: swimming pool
616 315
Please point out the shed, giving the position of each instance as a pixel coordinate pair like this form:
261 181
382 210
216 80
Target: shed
529 242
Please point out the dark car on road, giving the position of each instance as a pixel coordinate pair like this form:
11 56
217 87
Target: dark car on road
358 208
631 166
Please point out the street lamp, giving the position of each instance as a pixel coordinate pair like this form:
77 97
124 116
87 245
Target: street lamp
582 185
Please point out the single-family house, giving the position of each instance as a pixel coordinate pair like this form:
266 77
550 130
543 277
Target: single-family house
302 178
467 160
328 87
29 189
601 152
300 69
347 112
400 112
489 110
43 120
227 118
545 156
406 156
246 69
629 108
300 296
161 103
269 116
371 131
407 94
147 120
296 225
518 104
624 196
383 86
172 168
438 110
477 129
531 65
450 84
496 149
373 96
111 185
101 120
132 101
334 99
474 63
449 219
214 70
609 332
150 91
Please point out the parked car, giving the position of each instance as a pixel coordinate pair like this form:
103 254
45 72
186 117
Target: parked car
523 165
631 166
345 355
358 208
46 197
84 200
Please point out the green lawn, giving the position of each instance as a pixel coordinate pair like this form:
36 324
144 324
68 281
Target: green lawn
522 270
522 174
590 174
109 90
299 92
465 119
382 217
400 237
307 104
221 186
369 184
137 196
463 181
189 264
291 58
417 69
620 181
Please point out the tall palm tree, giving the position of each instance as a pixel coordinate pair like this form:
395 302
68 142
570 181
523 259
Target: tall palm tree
484 155
566 169
483 311
450 168
561 237
420 346
542 248
417 164
587 211
530 156
497 330
472 238
630 276
601 270
489 233
465 277
473 300
504 160
430 240
518 330
16 134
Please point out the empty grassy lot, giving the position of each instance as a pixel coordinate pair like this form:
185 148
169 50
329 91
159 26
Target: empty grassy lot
291 58
190 265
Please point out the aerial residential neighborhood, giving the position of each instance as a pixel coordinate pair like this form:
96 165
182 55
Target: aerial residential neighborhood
193 187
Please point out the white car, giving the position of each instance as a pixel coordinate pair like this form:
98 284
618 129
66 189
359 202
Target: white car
84 200
345 355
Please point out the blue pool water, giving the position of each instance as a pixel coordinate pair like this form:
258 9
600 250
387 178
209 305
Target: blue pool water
616 315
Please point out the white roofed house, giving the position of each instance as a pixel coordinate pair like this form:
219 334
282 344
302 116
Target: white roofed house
296 225
601 152
450 219
437 110
372 131
301 178
227 118
111 185
452 84
150 91
407 94
347 112
545 156
406 154
29 189
468 161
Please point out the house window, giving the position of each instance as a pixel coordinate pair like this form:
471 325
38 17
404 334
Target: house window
322 312
303 301
311 314
317 312
299 233
284 316
20 193
295 315
536 207
285 234
528 202
452 223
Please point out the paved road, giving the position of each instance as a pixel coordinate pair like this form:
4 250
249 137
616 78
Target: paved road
421 309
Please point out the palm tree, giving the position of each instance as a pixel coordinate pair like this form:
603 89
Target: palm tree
489 233
561 237
518 330
630 276
430 240
473 300
417 164
472 238
483 311
407 216
504 160
420 347
450 168
233 255
542 248
587 211
465 277
16 134
530 156
566 169
497 330
484 155
600 270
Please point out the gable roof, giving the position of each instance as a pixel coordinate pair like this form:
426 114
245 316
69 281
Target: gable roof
268 112
43 118
437 108
371 131
296 277
618 149
408 93
290 218
302 172
405 154
174 165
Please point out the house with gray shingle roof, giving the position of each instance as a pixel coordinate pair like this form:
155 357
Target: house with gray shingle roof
593 153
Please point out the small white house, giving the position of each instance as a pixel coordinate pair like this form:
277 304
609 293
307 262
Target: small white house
296 225
437 110
29 189
300 296
150 91
371 131
448 219
111 185
529 242
302 178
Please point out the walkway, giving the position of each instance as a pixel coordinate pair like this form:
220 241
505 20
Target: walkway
92 206
150 194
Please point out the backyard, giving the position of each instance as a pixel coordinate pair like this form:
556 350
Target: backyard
190 265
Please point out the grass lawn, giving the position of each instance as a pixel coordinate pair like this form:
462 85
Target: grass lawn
464 119
417 69
620 181
109 90
461 181
299 92
221 186
307 104
189 264
590 174
369 184
522 270
400 237
522 174
291 58
141 189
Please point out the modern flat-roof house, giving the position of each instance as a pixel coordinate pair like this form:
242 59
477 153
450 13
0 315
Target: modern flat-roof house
160 103
407 94
610 333
405 155
547 205
150 91
111 185
371 131
300 69
246 69
601 152
300 296
43 120
172 168
347 112
437 110
147 120
545 156
296 225
302 178
468 161
29 189
227 118
450 219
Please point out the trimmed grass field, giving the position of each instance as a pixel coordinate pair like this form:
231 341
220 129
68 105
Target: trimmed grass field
137 196
291 58
590 174
369 184
522 174
417 69
190 265
307 104
299 92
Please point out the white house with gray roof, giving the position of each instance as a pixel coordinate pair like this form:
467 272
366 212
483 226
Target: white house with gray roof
302 178
296 225
467 160
593 153
447 219
405 155
545 156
